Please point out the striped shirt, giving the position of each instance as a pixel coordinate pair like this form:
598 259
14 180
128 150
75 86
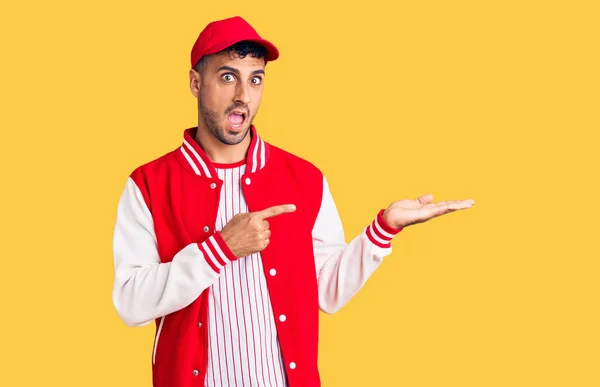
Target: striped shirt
243 348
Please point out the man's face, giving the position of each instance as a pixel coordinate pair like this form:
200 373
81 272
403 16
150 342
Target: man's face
229 91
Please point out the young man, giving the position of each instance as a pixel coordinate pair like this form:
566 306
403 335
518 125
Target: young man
232 245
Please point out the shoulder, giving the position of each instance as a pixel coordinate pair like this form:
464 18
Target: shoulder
154 171
152 177
156 166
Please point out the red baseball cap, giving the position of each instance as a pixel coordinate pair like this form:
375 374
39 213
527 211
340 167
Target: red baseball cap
221 34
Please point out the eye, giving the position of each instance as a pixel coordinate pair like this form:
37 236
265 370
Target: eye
257 80
227 77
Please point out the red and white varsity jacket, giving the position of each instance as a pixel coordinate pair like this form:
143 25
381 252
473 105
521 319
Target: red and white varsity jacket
167 254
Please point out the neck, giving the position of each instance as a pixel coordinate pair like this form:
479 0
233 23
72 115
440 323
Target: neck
221 153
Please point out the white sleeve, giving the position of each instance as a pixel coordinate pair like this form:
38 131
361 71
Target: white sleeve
343 268
144 288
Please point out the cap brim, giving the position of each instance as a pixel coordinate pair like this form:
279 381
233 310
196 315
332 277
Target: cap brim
272 51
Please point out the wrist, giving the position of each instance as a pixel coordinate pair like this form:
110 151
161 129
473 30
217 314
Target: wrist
386 224
223 246
216 252
380 232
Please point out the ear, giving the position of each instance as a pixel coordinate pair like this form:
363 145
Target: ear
195 82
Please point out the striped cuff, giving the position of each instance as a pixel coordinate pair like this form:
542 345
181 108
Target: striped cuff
380 233
216 252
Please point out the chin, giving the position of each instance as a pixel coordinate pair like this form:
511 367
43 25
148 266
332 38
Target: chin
240 131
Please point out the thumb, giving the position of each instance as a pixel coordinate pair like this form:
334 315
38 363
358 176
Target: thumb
425 199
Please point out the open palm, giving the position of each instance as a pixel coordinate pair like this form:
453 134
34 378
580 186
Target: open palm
406 212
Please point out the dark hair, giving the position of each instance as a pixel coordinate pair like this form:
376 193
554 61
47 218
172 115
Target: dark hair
241 49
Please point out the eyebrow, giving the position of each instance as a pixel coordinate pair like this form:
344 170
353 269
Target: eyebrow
236 71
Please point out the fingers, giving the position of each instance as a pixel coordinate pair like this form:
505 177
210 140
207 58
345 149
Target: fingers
264 238
455 205
265 225
266 234
436 209
276 210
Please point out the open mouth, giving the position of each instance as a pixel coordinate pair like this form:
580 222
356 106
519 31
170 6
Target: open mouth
236 119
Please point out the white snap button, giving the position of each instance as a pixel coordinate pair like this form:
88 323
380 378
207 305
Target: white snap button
206 228
196 372
213 185
282 318
272 272
199 325
248 180
292 365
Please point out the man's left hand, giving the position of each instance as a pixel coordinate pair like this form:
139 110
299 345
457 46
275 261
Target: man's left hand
406 212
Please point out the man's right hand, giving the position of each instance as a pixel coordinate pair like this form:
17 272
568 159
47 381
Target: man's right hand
249 233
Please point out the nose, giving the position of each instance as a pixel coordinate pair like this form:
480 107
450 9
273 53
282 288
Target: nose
242 94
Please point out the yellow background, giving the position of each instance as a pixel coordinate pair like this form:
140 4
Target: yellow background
495 101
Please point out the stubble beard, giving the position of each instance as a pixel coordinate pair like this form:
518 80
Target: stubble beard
211 119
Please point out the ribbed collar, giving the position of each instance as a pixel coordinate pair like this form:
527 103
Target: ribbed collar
198 161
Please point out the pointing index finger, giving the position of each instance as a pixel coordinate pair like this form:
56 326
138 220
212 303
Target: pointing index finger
276 210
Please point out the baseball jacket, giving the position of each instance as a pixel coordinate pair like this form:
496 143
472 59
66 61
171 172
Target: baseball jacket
167 254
